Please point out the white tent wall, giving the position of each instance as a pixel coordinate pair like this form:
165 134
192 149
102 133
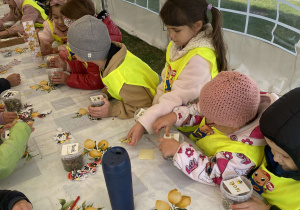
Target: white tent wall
274 69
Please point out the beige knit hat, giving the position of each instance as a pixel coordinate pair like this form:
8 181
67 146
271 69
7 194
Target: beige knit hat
230 99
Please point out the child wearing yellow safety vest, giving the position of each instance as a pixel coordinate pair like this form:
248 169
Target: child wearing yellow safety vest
23 10
54 29
229 109
195 55
278 177
125 77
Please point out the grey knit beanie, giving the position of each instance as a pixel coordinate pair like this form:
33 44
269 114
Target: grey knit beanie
89 39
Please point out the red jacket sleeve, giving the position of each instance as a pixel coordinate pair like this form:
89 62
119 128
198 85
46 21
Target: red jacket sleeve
83 77
114 32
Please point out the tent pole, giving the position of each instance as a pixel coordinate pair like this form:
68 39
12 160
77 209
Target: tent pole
103 5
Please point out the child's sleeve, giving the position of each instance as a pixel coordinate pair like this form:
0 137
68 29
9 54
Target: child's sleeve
134 97
87 78
7 17
9 198
187 115
13 148
46 39
210 170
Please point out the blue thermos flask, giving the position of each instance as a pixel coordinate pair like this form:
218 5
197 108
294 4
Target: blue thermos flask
117 173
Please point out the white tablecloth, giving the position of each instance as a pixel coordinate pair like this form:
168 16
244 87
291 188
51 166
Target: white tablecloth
43 179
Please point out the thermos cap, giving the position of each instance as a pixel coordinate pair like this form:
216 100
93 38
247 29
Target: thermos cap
116 161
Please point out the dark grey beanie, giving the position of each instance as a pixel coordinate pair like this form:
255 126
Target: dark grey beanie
89 39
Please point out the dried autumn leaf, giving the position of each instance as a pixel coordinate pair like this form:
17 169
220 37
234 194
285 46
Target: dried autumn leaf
184 202
82 111
174 196
89 144
35 114
103 144
44 82
162 205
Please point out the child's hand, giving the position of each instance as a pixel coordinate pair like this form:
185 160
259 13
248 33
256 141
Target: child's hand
254 204
6 126
165 122
100 112
9 117
57 62
136 133
14 79
22 205
2 108
168 147
31 126
61 78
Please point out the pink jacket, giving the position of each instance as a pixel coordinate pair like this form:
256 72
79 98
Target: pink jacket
15 14
186 88
211 170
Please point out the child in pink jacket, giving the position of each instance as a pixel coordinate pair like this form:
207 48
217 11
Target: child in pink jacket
229 109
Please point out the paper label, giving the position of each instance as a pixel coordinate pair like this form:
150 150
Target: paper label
236 186
172 136
70 149
141 112
96 98
33 41
10 93
6 134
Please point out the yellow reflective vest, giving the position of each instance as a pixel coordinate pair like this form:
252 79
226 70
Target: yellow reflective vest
173 69
213 141
132 71
279 191
38 8
60 40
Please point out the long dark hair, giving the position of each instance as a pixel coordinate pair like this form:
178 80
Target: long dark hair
75 9
188 12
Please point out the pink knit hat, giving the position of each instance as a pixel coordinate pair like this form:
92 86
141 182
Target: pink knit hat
230 99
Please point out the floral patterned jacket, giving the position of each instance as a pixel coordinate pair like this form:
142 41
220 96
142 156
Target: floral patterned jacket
211 170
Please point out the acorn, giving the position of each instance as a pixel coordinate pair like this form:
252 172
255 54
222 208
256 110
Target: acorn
95 153
162 205
104 144
174 196
184 202
82 111
89 144
44 82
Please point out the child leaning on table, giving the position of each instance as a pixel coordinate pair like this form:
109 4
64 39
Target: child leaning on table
13 148
195 55
278 178
126 78
229 109
54 29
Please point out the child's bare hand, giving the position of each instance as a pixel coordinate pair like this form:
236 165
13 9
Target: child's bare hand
22 205
2 108
6 126
253 204
136 133
9 117
165 122
168 147
100 112
31 126
57 62
14 79
61 78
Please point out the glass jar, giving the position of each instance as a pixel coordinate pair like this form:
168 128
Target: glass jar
97 99
51 73
72 161
47 58
12 100
228 198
